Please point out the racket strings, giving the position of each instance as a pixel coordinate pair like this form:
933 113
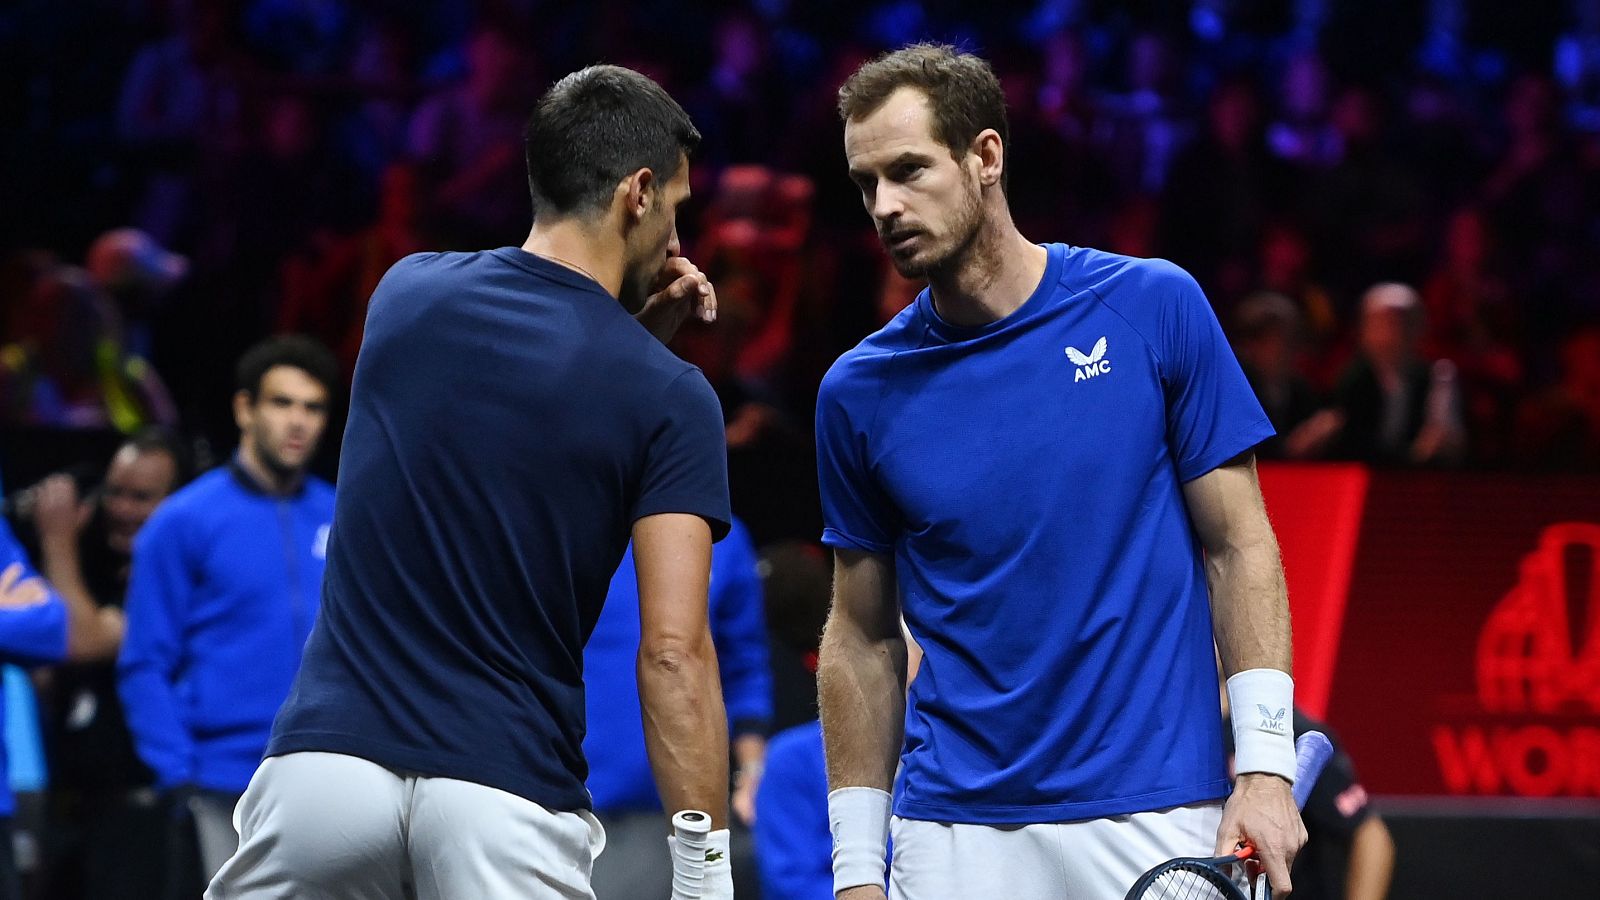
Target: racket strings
1188 884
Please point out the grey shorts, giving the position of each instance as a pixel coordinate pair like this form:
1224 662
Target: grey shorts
325 825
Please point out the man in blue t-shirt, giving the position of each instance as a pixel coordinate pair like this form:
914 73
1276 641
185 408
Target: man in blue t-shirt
515 418
1044 463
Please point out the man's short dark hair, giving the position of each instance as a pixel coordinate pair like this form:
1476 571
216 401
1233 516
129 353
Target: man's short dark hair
158 439
596 127
299 351
964 96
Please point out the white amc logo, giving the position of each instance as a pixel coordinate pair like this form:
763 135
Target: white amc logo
1091 365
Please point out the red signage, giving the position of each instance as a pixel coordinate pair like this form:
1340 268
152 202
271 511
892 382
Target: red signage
1457 647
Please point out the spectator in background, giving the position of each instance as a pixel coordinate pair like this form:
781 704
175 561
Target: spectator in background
1366 210
1559 427
636 862
1577 65
1474 321
140 275
1391 406
326 285
1141 128
1266 337
179 98
225 586
1220 193
104 827
35 628
738 104
1285 261
466 140
66 365
1302 134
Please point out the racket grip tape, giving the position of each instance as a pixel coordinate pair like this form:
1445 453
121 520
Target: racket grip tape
1312 751
691 829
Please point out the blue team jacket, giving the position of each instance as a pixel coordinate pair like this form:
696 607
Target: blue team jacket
28 637
619 768
226 583
794 849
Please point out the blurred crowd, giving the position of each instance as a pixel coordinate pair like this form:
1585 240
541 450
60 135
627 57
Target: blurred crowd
1393 207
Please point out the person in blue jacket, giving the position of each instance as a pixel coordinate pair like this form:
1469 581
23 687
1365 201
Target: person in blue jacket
635 862
225 585
33 631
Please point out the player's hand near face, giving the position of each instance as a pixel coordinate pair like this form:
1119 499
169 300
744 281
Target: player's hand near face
680 290
864 892
1261 812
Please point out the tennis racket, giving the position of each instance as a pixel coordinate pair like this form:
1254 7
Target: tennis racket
1220 878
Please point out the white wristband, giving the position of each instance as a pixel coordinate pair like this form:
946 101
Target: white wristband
1261 705
859 820
701 869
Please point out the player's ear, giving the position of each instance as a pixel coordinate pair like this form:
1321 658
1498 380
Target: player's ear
639 193
990 152
242 412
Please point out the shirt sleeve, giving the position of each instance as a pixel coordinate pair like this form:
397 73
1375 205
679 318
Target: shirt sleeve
855 513
739 630
686 463
1212 413
158 598
32 635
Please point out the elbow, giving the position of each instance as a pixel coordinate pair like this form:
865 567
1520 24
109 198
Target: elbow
674 657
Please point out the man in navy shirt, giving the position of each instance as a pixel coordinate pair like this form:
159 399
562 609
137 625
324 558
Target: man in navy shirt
1044 464
515 419
224 587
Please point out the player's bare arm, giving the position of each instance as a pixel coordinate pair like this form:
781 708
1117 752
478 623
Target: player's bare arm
861 678
1250 617
680 692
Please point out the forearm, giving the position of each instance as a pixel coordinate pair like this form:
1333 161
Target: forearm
861 694
686 727
1250 605
1371 862
93 633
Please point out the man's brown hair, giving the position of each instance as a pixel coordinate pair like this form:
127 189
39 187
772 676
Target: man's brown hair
964 96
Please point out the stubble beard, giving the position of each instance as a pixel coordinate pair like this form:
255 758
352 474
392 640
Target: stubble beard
966 219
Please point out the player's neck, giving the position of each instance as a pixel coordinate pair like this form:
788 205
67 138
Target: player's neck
992 280
586 250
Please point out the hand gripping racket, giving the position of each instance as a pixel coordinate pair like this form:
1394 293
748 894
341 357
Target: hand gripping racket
1215 878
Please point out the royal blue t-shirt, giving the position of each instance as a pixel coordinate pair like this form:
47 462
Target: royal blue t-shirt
1026 476
509 421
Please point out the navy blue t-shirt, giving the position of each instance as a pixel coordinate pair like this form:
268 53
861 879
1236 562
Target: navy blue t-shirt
509 422
1026 477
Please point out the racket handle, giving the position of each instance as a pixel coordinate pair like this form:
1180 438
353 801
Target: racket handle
1312 751
690 828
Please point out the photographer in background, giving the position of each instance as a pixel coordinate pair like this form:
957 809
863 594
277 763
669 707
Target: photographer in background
104 829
